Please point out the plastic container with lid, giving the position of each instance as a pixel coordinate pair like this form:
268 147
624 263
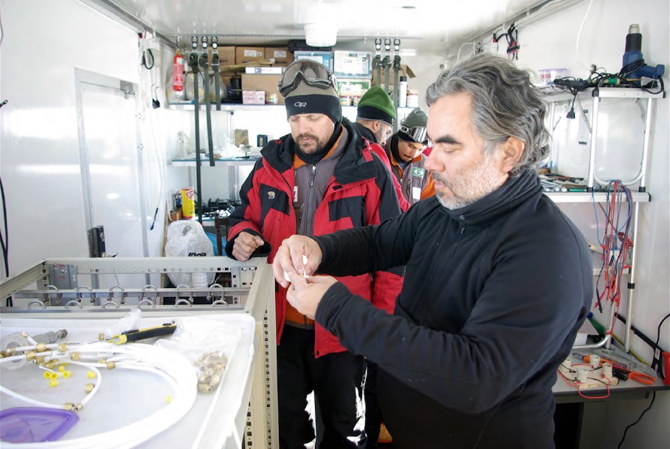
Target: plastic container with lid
412 99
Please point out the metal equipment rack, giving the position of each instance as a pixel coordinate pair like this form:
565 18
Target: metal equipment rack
642 195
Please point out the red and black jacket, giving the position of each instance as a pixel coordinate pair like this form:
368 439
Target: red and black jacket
360 193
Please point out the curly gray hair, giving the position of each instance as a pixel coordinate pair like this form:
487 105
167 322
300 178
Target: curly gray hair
504 104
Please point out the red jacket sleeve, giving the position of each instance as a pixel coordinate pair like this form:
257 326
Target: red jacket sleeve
247 216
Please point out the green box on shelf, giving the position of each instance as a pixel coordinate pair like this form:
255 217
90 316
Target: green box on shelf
353 87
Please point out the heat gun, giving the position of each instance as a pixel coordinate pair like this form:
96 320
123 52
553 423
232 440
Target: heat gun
634 67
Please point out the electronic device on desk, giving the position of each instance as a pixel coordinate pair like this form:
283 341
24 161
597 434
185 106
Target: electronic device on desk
557 183
220 207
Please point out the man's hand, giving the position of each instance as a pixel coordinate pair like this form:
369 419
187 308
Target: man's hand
289 258
245 245
305 294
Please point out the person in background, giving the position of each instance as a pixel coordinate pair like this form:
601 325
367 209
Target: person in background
375 115
320 178
404 150
497 283
375 119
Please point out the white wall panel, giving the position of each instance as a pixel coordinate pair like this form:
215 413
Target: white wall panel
44 41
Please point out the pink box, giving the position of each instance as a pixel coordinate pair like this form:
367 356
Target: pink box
253 97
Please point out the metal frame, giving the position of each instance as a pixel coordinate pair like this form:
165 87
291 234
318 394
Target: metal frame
640 196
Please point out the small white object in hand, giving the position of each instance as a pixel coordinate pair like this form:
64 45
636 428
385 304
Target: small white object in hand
304 261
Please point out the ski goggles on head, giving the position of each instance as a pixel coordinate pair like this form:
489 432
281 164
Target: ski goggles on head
417 133
308 71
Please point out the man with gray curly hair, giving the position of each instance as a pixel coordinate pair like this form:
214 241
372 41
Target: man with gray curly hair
497 280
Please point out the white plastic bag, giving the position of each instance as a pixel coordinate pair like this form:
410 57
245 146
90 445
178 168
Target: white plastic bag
187 238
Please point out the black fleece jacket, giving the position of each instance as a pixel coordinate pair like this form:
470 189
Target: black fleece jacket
493 296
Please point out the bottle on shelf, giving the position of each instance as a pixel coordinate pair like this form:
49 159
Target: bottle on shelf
402 91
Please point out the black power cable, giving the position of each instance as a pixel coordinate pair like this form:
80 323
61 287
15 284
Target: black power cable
4 240
653 398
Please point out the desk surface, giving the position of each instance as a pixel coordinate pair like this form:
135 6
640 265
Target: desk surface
565 393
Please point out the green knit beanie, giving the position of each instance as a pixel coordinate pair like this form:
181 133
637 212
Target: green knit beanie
413 128
415 118
377 105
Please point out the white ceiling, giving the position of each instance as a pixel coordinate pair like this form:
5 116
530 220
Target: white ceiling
421 22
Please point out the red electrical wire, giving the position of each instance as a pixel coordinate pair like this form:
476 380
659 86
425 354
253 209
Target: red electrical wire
579 387
613 239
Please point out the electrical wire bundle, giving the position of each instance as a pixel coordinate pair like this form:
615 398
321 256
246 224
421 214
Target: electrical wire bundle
603 79
615 245
512 38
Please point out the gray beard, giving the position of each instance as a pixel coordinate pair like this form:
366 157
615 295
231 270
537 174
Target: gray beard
472 186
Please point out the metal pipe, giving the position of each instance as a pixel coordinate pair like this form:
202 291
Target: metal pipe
396 80
631 279
594 139
204 63
645 150
193 62
215 67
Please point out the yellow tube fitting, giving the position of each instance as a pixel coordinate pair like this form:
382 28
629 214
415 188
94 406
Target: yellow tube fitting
88 388
91 375
41 347
66 374
53 383
75 356
47 375
111 365
168 399
62 347
61 368
53 375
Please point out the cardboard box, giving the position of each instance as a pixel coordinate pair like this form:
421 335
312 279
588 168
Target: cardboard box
241 137
247 54
280 55
226 56
265 83
323 57
253 97
353 64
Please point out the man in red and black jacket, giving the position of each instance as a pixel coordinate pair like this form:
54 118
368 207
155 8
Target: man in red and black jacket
319 179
